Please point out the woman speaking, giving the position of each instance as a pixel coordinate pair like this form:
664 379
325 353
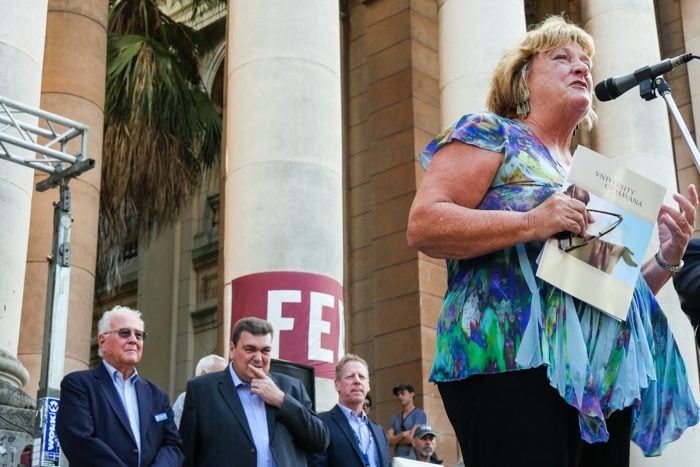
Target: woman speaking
529 375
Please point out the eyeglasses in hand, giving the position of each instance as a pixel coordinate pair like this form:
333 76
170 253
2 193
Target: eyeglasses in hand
588 238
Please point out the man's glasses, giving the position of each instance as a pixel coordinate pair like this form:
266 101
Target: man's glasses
589 238
125 333
366 405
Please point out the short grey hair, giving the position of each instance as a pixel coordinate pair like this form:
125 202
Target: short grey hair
206 364
104 325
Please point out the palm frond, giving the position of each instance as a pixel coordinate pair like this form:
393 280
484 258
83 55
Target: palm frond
161 129
200 7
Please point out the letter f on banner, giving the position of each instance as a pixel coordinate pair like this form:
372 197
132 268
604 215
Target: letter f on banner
275 299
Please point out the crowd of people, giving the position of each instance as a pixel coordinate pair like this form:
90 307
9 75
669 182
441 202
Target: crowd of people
109 415
528 374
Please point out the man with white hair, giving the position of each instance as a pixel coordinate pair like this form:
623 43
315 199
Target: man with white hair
109 415
209 364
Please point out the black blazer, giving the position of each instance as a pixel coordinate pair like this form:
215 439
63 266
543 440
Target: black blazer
215 430
94 430
343 450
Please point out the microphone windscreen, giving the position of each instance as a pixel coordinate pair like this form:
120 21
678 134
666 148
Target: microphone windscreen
605 91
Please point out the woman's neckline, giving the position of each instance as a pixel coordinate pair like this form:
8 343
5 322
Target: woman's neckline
564 168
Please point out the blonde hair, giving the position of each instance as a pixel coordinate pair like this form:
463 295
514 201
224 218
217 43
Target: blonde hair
509 80
348 357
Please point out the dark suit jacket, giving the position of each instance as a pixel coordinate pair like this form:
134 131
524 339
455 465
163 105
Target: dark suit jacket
94 430
215 431
343 450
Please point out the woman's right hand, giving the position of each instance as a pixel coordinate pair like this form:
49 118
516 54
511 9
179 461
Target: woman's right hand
559 213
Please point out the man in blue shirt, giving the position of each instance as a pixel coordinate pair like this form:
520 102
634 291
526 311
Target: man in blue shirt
263 418
356 441
110 415
402 426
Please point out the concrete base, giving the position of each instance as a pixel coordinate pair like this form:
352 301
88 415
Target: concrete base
17 415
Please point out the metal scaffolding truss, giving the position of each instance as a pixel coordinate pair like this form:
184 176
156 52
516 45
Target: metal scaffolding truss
43 146
48 142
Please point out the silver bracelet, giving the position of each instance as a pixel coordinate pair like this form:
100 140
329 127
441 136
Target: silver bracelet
666 265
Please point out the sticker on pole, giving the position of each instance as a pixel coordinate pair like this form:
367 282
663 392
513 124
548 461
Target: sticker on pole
50 449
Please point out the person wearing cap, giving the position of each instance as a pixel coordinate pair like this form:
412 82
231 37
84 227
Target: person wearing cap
424 443
687 284
356 441
403 425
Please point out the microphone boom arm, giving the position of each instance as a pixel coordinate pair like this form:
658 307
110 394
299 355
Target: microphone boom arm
665 90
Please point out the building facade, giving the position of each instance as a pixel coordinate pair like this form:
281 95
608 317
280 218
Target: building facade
325 196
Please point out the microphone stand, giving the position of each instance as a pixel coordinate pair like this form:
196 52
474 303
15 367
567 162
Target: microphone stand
647 90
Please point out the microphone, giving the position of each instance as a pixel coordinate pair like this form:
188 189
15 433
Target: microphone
614 87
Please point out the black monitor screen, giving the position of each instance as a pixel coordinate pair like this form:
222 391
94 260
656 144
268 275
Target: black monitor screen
303 373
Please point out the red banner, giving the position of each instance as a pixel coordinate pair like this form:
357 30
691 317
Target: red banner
306 312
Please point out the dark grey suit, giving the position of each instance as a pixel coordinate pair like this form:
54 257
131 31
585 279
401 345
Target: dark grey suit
215 430
343 450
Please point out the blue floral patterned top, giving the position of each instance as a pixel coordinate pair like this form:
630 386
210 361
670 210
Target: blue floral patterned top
497 316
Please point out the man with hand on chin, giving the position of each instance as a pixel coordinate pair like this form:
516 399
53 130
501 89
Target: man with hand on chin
266 416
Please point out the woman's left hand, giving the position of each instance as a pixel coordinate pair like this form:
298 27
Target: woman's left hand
676 226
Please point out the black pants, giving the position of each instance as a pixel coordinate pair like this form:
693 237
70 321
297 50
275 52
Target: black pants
518 419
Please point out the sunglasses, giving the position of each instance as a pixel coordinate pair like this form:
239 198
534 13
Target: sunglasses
125 333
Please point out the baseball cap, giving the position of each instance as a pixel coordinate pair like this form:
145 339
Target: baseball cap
403 387
423 430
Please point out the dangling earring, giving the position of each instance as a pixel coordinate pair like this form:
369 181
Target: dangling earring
523 106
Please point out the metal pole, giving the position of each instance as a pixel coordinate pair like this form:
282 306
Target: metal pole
46 447
665 91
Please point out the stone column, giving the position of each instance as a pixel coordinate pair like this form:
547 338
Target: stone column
73 86
473 35
21 52
283 224
637 134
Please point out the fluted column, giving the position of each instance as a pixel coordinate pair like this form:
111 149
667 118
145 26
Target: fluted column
73 86
21 53
473 35
690 15
283 224
637 134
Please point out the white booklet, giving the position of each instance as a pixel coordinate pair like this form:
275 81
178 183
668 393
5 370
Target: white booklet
601 268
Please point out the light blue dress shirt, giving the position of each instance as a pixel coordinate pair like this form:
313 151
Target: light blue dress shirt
127 392
254 408
363 435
